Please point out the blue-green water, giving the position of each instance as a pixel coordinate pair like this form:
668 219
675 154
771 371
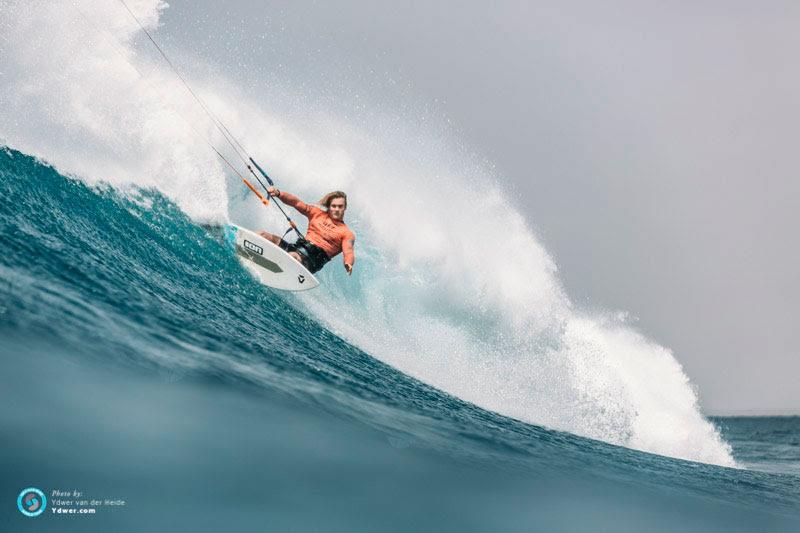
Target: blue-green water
141 362
769 444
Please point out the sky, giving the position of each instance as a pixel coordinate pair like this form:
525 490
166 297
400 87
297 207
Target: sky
652 146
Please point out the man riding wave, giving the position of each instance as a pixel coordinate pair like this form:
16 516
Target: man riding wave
327 233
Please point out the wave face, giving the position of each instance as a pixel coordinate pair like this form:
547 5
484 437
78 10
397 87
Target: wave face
452 286
138 352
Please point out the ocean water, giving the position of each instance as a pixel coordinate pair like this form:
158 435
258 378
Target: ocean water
142 362
766 443
435 389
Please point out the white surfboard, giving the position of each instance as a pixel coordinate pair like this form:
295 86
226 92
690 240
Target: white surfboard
272 265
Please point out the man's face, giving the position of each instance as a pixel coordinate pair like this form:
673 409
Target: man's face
336 208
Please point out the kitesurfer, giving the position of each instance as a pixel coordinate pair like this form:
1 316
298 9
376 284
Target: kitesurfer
327 233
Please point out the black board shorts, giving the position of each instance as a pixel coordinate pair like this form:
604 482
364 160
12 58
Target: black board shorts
314 257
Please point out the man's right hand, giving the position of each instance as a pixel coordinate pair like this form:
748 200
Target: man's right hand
273 191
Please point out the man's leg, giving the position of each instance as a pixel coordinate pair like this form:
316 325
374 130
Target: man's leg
277 240
270 237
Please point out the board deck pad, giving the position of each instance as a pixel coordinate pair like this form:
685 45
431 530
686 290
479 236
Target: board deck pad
271 264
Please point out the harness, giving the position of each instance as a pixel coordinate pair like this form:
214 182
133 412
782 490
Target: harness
314 257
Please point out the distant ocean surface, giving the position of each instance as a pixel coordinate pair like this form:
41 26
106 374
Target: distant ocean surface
142 362
766 443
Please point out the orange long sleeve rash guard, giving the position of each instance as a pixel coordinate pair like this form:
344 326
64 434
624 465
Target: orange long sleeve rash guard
333 236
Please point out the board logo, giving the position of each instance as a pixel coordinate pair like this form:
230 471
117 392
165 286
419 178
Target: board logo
31 502
253 247
301 278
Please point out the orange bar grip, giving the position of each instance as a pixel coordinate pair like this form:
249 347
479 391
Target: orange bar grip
263 200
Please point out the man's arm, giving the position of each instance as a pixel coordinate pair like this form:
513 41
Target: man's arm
292 200
348 253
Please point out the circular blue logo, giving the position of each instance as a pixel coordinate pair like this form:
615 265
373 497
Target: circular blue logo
31 502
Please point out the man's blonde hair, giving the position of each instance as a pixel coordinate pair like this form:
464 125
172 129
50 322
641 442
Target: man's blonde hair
326 200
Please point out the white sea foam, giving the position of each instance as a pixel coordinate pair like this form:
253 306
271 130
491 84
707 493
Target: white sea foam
452 286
